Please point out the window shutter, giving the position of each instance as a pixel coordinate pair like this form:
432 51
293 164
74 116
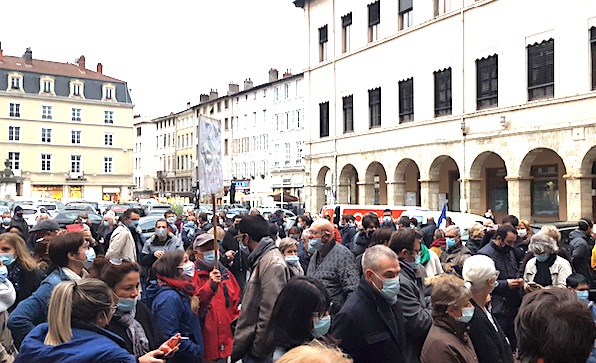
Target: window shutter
541 65
374 16
346 20
405 5
323 34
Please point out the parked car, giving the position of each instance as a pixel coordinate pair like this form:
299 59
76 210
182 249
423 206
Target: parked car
52 207
81 206
564 227
4 209
147 225
68 217
462 220
158 210
103 206
31 212
235 211
118 209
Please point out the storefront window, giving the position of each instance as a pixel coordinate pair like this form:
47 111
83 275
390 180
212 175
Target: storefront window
545 191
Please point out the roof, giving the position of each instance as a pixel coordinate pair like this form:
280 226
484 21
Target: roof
52 68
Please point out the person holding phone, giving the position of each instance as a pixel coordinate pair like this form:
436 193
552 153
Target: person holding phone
75 332
545 268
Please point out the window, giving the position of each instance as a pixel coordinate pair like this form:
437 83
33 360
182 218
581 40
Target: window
108 164
286 91
443 92
226 147
265 92
14 133
219 106
47 86
108 93
276 93
46 162
254 97
298 114
298 152
108 117
108 139
276 155
593 54
346 26
15 110
75 163
374 106
406 13
15 82
406 100
374 20
46 112
226 104
442 7
15 160
226 124
288 154
324 119
487 90
76 89
541 70
348 106
46 135
254 119
75 136
545 190
75 114
138 131
323 43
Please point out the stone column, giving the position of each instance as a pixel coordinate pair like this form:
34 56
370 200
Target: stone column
579 196
474 196
396 194
429 194
366 192
520 196
343 191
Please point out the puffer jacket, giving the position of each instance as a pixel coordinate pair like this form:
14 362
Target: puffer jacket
580 253
268 277
559 271
221 308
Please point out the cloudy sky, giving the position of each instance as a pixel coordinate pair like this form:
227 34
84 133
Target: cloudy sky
169 54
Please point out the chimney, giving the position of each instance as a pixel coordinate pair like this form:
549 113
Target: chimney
247 84
81 62
203 98
99 68
1 55
273 75
213 94
233 88
288 73
187 105
28 56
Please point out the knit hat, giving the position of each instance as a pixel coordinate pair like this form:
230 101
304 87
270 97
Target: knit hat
7 295
18 208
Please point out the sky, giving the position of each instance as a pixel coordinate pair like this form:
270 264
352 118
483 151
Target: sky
169 52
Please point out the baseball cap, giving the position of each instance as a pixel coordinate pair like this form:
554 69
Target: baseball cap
202 239
45 225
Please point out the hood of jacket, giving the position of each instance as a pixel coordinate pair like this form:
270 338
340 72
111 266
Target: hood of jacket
577 234
265 245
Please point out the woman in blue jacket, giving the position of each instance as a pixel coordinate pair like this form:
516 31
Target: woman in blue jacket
77 315
175 304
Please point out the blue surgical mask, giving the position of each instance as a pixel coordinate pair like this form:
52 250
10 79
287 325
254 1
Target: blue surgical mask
314 245
134 222
190 224
90 254
466 315
542 257
105 223
321 326
583 295
450 242
3 273
387 219
390 288
126 304
417 259
171 220
292 259
7 259
6 221
209 257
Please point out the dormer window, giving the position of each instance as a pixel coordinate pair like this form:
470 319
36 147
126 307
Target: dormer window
46 85
76 88
109 92
15 82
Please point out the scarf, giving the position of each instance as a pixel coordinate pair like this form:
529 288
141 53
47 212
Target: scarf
543 276
439 242
135 332
424 254
187 287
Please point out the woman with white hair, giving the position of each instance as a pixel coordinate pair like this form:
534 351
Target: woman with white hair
289 248
546 268
490 343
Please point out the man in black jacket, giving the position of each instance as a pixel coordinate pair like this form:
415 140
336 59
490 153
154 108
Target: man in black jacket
428 231
506 297
370 325
581 252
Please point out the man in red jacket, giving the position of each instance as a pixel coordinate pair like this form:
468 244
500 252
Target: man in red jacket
219 300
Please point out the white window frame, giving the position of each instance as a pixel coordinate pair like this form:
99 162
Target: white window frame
73 88
42 85
15 77
73 162
15 128
17 112
14 163
108 117
47 112
108 165
288 154
73 112
286 91
48 135
49 160
298 152
108 92
276 94
111 134
72 135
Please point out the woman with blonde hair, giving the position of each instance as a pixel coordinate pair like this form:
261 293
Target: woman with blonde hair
475 236
289 248
22 268
77 315
314 353
448 340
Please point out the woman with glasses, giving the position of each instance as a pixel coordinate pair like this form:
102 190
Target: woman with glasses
490 343
132 320
175 304
77 315
300 315
70 255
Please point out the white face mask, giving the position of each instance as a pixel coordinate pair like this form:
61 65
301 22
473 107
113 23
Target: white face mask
188 269
522 232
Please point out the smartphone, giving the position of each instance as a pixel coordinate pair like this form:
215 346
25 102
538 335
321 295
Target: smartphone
532 285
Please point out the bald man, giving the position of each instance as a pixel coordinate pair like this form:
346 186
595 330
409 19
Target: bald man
332 264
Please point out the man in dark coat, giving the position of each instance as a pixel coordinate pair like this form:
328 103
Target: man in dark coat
347 229
278 220
428 231
581 252
370 325
19 221
506 297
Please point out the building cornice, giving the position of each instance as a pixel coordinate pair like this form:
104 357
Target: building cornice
77 101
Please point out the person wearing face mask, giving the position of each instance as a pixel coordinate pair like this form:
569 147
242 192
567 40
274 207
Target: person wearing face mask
454 253
332 264
489 340
347 229
189 231
132 320
289 248
70 255
506 297
171 219
18 220
5 226
374 310
299 316
580 241
388 219
448 340
579 285
159 243
105 229
175 304
126 240
418 319
75 332
370 223
8 350
219 294
546 268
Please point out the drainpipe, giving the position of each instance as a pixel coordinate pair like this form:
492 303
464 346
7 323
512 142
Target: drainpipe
463 197
336 178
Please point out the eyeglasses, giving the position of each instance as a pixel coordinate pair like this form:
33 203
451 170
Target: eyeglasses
240 236
117 261
414 253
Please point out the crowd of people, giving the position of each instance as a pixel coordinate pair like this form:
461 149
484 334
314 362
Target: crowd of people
252 289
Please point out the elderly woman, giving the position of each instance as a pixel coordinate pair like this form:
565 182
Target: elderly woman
448 340
489 340
289 248
475 236
545 268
